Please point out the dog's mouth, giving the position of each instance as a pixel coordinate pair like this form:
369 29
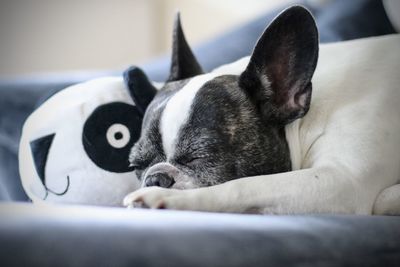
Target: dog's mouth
40 150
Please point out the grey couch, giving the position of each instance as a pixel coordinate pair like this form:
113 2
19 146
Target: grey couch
87 236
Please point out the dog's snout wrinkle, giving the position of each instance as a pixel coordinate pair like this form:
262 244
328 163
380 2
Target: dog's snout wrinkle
162 167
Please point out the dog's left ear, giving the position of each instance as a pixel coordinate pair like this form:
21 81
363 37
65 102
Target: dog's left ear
183 62
278 76
140 88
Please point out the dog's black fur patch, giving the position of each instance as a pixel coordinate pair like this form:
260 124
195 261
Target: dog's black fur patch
223 140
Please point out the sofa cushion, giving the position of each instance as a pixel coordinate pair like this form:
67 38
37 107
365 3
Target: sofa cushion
82 236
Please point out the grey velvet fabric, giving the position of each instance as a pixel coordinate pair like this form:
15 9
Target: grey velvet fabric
32 236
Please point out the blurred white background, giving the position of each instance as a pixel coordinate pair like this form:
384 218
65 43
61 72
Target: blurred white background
45 36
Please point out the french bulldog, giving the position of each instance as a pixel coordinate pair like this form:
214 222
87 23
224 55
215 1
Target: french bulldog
274 133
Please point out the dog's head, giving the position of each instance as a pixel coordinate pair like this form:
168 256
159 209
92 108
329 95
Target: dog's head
205 129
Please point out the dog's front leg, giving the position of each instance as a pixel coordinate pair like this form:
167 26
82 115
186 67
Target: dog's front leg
314 190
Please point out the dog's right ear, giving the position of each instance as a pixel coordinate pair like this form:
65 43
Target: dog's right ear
183 62
278 76
140 88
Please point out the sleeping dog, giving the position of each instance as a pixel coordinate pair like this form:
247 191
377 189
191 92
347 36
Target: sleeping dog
307 138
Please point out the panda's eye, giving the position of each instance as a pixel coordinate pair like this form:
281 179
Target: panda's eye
109 134
118 135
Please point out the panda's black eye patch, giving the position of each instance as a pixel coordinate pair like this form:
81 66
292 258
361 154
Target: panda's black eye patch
109 134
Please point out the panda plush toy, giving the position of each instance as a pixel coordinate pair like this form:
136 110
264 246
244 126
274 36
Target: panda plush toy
75 147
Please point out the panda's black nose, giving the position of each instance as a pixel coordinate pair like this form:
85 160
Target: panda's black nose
159 179
40 150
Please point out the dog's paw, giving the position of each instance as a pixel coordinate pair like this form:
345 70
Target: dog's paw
157 198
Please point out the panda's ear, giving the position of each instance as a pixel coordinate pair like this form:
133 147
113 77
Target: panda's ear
183 62
140 88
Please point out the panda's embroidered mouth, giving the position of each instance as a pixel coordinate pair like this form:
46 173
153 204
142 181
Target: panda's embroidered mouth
56 193
40 150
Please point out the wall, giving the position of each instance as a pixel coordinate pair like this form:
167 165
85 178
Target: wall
43 36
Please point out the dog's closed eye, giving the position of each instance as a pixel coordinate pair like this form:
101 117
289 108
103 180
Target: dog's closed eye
188 160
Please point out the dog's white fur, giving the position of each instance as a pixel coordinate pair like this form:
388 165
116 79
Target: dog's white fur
177 111
345 152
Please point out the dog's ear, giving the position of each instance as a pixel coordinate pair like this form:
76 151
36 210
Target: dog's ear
183 63
140 88
278 76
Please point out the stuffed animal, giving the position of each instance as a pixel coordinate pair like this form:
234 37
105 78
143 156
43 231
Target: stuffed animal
75 146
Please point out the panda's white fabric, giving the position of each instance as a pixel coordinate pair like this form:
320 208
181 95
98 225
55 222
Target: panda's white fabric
70 143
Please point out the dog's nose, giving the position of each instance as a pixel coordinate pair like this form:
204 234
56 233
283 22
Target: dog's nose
159 179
